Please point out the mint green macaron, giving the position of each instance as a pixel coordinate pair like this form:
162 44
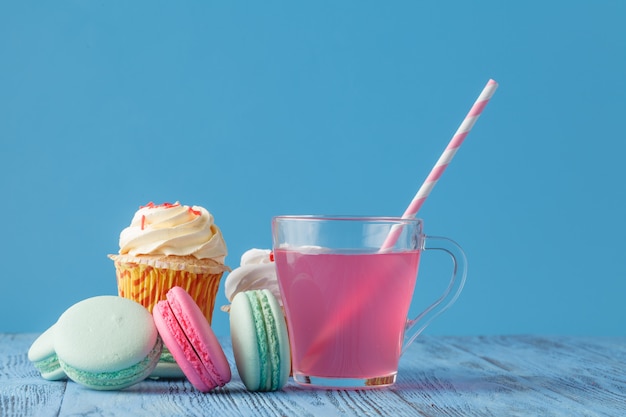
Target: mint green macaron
107 343
44 357
260 343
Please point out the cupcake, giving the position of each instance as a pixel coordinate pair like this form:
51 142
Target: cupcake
257 271
169 245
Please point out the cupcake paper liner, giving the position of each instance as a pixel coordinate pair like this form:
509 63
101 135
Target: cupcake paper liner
147 279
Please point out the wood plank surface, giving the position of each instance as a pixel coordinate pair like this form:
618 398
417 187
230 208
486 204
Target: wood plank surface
438 376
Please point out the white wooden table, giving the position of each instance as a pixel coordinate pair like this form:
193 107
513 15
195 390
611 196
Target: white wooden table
439 376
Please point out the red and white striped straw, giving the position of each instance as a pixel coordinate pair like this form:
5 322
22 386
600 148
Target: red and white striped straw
444 160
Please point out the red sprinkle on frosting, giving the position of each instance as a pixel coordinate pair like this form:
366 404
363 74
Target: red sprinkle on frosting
143 222
196 212
271 256
164 205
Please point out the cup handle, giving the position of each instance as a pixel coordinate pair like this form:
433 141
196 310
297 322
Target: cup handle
457 281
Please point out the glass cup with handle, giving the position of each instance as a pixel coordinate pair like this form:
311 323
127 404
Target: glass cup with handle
347 296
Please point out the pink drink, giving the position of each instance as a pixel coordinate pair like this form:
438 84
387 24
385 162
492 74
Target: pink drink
346 312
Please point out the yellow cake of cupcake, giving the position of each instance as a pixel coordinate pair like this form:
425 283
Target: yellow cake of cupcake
168 245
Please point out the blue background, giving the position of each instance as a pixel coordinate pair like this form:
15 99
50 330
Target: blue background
253 110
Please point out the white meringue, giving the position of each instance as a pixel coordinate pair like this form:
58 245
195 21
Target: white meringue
256 272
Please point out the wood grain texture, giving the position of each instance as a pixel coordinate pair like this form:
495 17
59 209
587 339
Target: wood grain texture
439 376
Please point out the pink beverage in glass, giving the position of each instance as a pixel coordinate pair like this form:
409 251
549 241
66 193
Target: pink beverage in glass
347 312
346 287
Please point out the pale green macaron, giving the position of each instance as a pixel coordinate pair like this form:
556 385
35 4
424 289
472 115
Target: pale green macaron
167 368
44 357
107 342
260 342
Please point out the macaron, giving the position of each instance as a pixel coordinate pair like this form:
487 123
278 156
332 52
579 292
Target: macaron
107 342
188 336
167 367
260 342
44 357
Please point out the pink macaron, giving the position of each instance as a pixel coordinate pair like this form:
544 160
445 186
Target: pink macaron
191 341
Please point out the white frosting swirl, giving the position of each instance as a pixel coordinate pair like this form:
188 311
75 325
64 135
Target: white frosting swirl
257 271
173 229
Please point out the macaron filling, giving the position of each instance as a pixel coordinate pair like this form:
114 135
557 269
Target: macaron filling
48 365
268 351
166 356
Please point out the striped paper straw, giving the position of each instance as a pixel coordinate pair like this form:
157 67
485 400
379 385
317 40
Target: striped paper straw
444 160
